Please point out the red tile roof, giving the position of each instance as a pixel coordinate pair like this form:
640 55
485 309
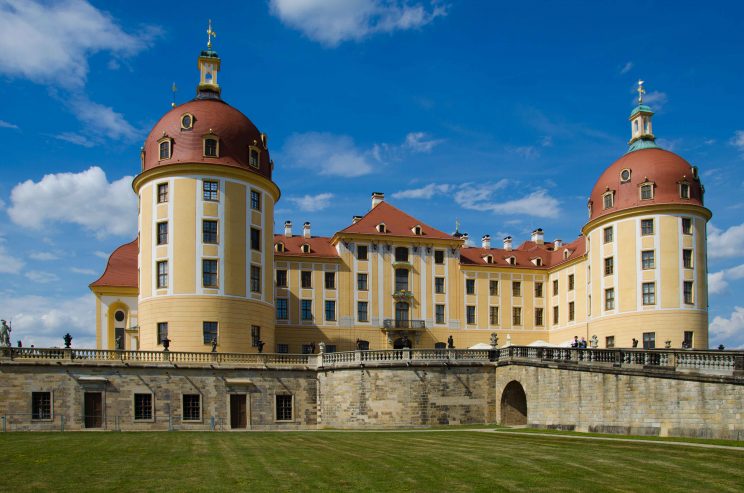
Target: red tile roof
524 254
320 246
397 223
121 269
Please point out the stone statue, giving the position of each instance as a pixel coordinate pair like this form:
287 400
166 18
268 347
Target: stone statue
5 333
494 340
68 341
166 343
119 344
595 341
668 344
450 342
508 339
260 345
214 344
322 347
635 342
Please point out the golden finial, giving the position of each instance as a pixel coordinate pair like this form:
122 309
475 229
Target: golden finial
210 33
457 224
641 91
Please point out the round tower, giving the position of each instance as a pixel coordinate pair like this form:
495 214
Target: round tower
206 208
646 247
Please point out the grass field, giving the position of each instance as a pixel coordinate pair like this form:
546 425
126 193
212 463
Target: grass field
460 460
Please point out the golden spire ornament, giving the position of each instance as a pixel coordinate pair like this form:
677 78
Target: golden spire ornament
641 91
210 33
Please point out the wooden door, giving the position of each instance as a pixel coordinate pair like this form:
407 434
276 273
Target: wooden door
93 408
238 414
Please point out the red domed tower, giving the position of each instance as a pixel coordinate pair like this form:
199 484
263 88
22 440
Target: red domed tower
646 247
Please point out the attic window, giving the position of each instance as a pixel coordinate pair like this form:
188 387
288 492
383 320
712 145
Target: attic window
279 247
305 248
253 157
165 146
625 175
488 259
381 228
566 254
647 191
211 146
684 190
537 261
511 260
187 121
608 199
416 230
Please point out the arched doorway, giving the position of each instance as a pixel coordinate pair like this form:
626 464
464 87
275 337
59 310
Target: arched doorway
513 405
402 343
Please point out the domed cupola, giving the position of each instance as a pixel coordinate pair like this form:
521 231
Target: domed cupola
642 136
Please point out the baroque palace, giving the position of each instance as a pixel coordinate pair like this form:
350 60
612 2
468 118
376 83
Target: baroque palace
208 272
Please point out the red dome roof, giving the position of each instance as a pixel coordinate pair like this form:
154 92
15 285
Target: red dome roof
665 169
234 130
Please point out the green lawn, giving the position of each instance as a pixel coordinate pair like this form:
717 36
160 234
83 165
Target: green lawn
360 461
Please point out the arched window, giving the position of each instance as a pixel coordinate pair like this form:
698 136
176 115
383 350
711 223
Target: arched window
279 247
381 228
417 230
165 148
254 157
488 259
684 190
305 248
511 260
608 199
537 261
211 146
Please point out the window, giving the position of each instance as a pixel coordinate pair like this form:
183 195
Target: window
609 266
165 149
517 315
555 287
609 234
284 408
330 348
306 309
187 122
684 190
647 259
493 315
511 260
162 233
688 292
417 230
649 340
308 348
687 258
686 226
647 226
381 228
470 314
281 278
142 407
209 273
209 231
255 239
438 256
41 405
209 331
362 315
211 147
255 200
439 314
516 288
255 279
282 348
625 174
493 288
401 279
255 335
571 311
210 190
555 315
279 247
439 285
538 290
570 282
306 279
362 282
162 193
162 332
330 280
305 248
401 254
162 267
282 312
361 252
607 200
470 286
539 317
687 341
610 342
191 407
330 310
253 157
649 293
647 191
610 299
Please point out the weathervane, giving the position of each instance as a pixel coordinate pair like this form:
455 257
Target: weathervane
210 33
173 90
457 224
641 91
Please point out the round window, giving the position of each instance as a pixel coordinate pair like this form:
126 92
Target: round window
625 175
186 121
119 316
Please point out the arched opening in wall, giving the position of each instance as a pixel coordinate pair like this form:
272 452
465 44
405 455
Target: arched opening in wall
402 343
513 405
120 318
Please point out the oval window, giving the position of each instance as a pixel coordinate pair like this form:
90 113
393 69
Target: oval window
625 175
186 121
119 316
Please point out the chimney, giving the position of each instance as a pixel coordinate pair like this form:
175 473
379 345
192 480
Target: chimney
288 229
377 197
486 242
465 239
557 244
508 243
355 219
538 236
306 230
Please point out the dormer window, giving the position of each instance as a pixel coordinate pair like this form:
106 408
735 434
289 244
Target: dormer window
608 199
625 175
647 191
279 247
566 254
537 261
684 190
488 259
381 228
417 230
187 121
305 248
165 148
211 146
511 260
254 157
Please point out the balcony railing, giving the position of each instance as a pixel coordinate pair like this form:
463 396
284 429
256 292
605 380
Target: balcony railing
389 323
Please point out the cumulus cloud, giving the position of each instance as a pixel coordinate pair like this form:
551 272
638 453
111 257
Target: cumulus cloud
331 22
328 154
420 142
481 197
100 121
41 277
8 263
425 192
87 199
730 331
49 43
4 124
43 321
725 243
414 143
718 281
43 256
312 203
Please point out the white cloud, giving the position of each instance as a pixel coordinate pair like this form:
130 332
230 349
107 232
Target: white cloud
414 143
4 124
8 263
43 256
43 321
49 43
738 140
328 154
425 192
655 98
730 331
101 254
76 139
718 281
725 243
420 142
626 68
312 203
41 277
526 152
481 198
100 121
85 272
86 198
331 22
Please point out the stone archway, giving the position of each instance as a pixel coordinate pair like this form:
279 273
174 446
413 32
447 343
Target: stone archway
513 405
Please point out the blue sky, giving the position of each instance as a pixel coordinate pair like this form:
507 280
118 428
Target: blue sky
501 114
